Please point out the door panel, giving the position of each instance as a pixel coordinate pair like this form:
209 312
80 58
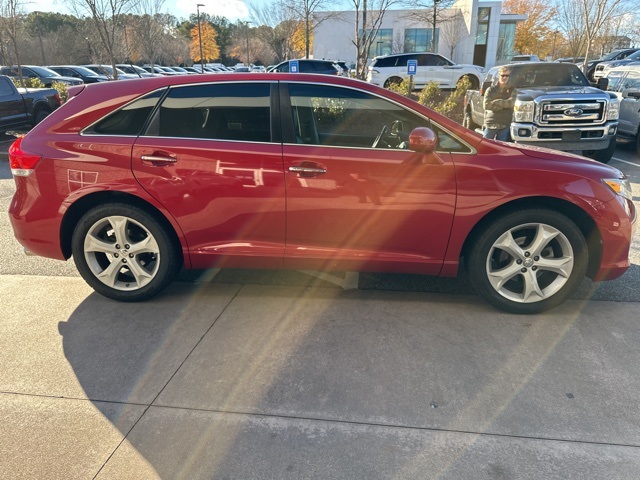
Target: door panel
351 206
210 158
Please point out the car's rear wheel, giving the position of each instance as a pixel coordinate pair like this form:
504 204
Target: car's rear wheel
125 253
528 261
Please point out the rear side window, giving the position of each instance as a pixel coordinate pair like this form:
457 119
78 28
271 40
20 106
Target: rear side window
385 62
130 119
217 112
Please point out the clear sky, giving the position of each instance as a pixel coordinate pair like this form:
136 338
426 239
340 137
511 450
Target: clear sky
232 9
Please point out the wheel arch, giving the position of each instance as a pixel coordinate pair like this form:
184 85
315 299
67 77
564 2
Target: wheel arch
581 218
474 80
86 203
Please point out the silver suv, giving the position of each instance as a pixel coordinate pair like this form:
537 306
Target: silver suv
390 69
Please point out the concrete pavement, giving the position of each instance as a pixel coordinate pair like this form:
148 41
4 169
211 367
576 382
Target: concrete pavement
290 382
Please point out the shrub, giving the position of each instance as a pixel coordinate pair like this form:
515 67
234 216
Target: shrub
28 82
402 88
62 90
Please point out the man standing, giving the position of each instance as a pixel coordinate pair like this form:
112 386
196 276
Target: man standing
498 107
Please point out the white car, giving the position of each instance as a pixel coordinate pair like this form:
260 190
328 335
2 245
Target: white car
390 69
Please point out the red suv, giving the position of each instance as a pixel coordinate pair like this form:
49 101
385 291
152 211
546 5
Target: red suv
137 179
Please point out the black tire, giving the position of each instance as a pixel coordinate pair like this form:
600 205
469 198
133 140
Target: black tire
467 121
474 82
638 142
392 81
40 116
602 156
133 252
516 260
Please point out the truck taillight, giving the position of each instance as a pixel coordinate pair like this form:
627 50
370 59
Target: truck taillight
22 163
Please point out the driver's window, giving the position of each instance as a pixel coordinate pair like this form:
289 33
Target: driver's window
342 117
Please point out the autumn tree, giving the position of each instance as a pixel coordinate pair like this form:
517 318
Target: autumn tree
278 28
534 33
210 49
305 10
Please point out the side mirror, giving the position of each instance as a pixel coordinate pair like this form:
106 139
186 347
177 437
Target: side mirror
423 140
602 83
484 87
631 93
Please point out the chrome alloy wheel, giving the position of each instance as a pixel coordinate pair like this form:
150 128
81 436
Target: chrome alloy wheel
530 262
121 253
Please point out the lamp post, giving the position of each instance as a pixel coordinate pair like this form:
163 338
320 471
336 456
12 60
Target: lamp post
553 51
433 31
200 37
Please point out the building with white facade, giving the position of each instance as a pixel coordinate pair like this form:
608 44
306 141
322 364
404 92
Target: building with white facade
470 32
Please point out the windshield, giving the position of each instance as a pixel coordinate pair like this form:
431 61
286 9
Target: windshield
44 72
550 75
85 71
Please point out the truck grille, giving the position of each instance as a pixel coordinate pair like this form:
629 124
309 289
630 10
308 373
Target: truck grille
560 113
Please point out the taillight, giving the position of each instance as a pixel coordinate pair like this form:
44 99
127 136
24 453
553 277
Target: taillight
22 163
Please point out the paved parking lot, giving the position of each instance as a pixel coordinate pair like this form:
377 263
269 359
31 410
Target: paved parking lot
256 375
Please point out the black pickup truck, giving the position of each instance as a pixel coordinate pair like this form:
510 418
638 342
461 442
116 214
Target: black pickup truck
555 107
22 108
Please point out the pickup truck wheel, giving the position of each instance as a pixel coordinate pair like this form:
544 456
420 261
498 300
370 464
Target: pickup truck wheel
528 261
602 156
40 115
124 253
473 82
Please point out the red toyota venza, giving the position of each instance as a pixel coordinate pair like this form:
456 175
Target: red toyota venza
136 179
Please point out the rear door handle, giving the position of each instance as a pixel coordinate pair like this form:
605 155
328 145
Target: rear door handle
158 160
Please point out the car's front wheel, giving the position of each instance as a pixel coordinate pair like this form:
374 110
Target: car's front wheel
528 261
125 253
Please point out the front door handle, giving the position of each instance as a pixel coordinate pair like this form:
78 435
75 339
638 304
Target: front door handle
308 169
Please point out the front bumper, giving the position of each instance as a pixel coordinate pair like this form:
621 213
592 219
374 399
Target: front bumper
592 137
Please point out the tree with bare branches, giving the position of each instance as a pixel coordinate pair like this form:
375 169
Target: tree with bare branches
11 29
107 17
369 15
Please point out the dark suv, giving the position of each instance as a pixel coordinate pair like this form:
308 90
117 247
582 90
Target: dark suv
325 67
45 75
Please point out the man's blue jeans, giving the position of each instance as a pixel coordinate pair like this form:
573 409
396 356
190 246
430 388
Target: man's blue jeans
497 134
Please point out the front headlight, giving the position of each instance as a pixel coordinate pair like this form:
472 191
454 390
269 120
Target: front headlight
523 111
620 186
613 111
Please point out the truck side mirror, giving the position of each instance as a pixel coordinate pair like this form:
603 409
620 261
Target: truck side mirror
484 87
422 140
602 83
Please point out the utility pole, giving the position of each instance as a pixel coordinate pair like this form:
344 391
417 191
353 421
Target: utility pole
200 37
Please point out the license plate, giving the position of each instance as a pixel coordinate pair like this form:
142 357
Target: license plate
571 136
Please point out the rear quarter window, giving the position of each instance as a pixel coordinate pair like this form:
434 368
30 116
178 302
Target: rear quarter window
128 120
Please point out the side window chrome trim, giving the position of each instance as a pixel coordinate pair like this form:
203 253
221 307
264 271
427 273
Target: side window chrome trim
472 150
